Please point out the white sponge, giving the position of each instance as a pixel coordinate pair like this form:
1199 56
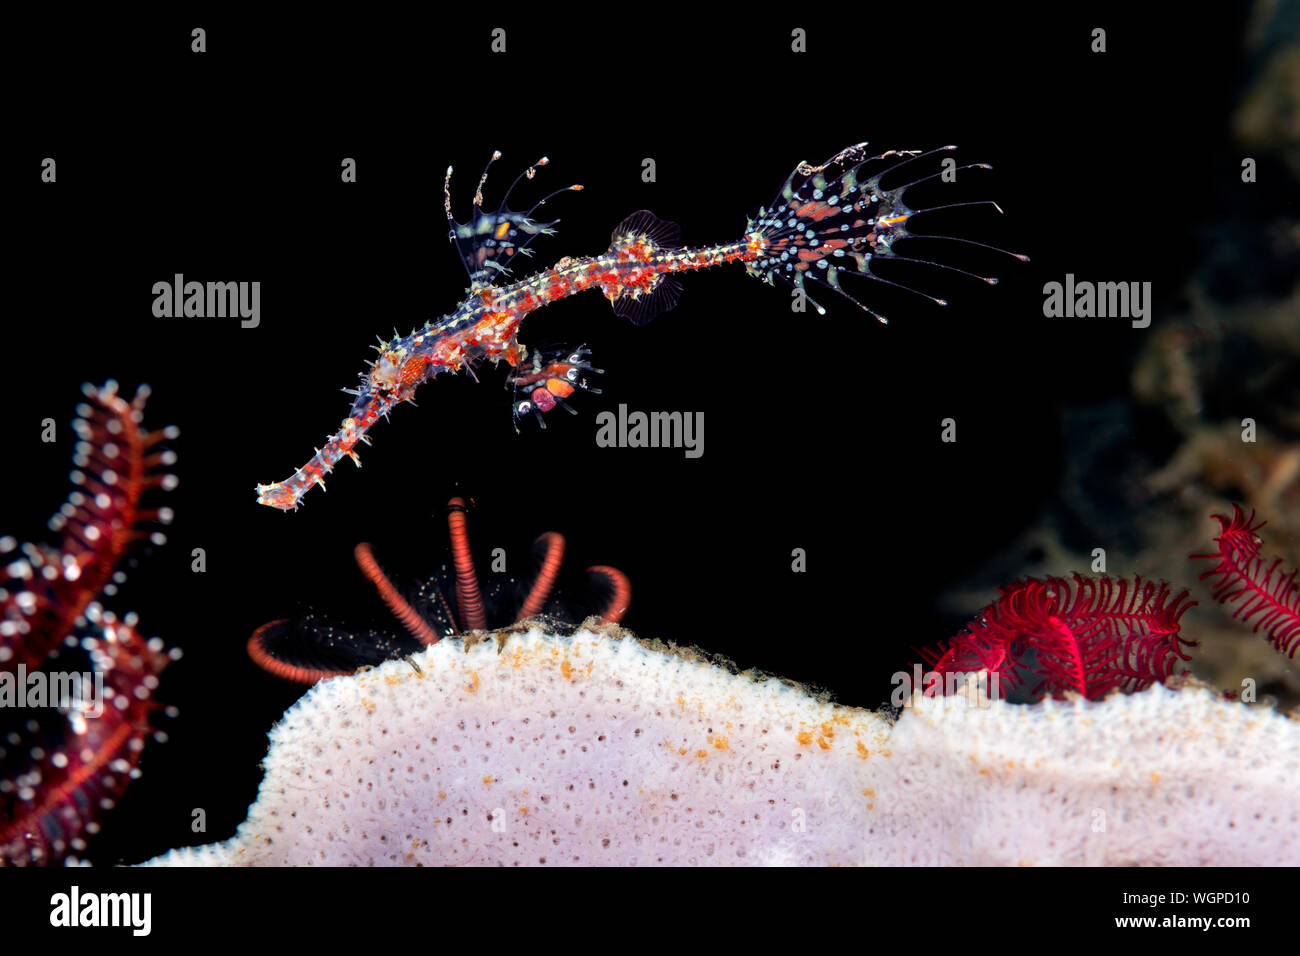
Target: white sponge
531 749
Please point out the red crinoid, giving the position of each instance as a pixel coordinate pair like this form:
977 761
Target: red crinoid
76 682
1269 595
311 648
1086 635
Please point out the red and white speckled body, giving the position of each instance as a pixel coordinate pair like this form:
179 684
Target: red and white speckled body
819 226
486 326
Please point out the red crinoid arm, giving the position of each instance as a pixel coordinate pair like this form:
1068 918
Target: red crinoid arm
262 649
1085 635
969 654
545 580
1127 634
620 592
43 591
70 763
1269 595
48 810
470 600
401 609
1060 657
